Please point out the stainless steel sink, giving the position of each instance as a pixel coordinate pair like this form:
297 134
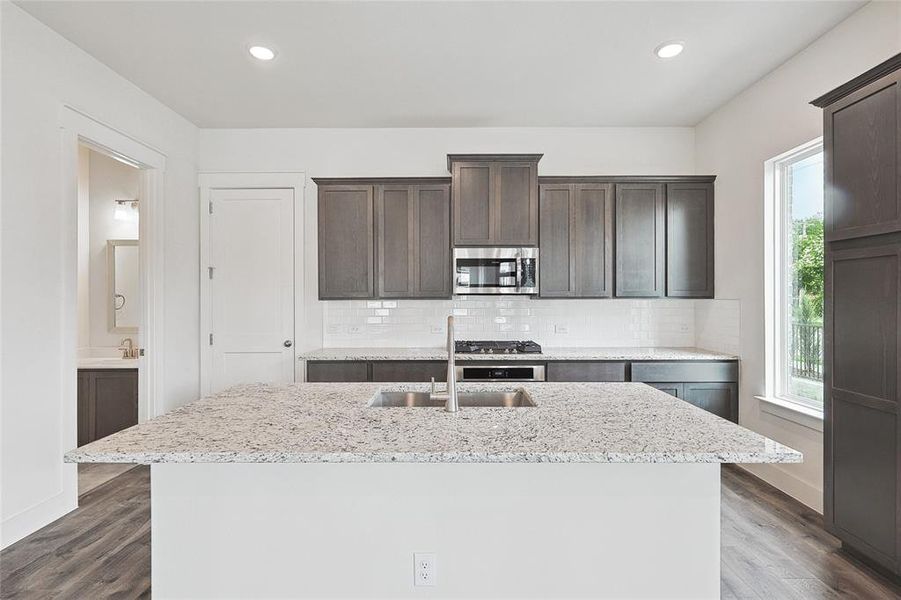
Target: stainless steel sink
507 399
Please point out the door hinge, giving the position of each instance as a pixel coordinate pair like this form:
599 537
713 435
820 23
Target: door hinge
210 271
211 339
211 207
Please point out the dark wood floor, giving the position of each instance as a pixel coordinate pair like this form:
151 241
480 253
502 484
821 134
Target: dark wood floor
773 548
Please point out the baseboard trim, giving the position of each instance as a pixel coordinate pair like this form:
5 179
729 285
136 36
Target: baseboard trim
28 521
800 490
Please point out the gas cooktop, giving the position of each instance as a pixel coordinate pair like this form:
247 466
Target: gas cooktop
503 347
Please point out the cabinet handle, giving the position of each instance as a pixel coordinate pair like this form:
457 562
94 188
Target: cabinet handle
288 343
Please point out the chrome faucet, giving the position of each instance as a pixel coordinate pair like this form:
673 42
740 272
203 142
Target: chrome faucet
450 396
128 348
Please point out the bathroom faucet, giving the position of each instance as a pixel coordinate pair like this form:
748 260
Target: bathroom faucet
450 397
128 348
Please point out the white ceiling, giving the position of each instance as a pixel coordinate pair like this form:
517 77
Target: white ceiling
441 64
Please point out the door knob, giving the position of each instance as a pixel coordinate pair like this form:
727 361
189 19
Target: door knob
288 343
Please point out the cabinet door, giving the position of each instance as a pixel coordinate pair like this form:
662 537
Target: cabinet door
474 215
862 141
673 389
330 371
432 266
346 242
405 371
861 433
85 408
397 243
516 203
115 398
556 225
720 399
640 240
593 240
689 240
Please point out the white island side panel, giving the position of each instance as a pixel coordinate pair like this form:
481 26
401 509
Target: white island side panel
508 530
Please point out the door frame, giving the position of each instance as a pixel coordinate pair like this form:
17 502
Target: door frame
80 129
210 181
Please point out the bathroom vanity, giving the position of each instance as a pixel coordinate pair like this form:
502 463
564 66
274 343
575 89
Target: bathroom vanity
604 490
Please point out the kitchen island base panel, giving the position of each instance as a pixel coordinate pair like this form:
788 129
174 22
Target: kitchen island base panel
508 530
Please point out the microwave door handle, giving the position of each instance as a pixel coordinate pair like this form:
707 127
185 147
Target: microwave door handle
518 271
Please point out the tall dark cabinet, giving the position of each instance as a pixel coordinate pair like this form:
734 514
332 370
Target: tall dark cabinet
862 374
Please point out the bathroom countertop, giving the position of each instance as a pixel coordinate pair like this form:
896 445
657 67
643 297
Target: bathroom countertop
333 423
107 363
569 353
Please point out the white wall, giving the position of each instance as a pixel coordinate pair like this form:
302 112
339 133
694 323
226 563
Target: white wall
423 152
109 180
41 72
770 117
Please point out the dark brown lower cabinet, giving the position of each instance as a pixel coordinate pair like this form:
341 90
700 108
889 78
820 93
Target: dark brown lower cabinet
719 398
861 429
327 371
107 402
586 371
673 389
416 371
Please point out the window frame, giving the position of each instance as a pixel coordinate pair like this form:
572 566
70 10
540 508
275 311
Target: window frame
778 278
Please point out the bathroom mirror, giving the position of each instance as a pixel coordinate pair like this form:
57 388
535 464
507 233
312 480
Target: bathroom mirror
122 275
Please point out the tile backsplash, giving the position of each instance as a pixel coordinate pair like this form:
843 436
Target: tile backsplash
615 322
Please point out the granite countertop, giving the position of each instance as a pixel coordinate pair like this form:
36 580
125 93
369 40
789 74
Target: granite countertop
627 353
332 422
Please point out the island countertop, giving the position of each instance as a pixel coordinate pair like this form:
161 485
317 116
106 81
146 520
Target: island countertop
333 423
547 354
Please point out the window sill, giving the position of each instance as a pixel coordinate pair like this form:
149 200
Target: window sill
792 411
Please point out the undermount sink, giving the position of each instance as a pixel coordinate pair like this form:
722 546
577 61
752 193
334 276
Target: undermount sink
503 399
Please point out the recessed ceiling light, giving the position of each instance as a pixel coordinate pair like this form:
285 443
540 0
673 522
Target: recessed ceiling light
261 52
669 49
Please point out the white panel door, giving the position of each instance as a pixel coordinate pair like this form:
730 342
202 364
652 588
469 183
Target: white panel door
251 236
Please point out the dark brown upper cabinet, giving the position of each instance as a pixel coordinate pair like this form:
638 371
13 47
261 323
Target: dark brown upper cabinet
862 145
576 235
346 241
495 199
384 238
640 240
413 240
689 240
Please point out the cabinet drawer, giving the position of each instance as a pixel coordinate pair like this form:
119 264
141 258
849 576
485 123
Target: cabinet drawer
660 371
337 371
586 371
419 370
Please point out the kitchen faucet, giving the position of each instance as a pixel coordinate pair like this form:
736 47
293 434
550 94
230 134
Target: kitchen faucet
451 404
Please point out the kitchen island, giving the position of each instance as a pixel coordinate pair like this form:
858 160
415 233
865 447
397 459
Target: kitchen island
605 490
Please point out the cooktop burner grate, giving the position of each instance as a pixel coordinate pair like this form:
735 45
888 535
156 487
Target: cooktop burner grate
497 347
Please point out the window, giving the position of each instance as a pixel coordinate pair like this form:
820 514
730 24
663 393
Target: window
796 277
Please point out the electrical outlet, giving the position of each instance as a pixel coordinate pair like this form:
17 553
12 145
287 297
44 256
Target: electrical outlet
437 329
425 568
561 329
353 329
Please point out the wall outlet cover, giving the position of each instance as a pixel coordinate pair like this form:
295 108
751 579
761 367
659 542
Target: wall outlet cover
425 568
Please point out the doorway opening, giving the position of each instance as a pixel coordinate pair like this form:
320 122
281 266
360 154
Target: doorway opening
109 304
112 192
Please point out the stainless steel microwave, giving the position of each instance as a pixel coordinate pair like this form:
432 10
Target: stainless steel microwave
495 270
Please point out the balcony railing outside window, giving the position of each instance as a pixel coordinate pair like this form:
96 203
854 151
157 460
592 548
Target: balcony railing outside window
807 351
